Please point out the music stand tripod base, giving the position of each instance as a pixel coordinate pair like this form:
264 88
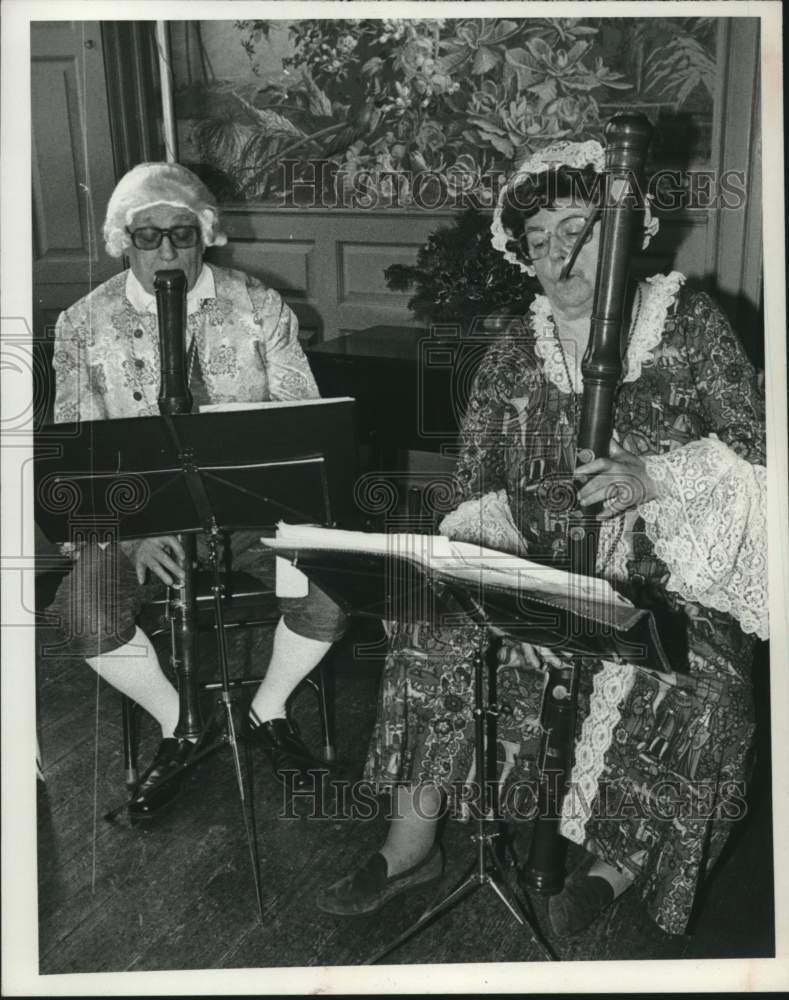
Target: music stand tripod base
487 869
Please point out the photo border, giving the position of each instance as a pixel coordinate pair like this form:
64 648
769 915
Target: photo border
19 915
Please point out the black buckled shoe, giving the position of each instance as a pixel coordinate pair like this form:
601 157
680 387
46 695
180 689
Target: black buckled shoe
292 762
162 781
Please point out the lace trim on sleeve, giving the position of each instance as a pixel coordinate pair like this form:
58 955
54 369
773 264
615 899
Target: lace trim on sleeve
485 520
709 525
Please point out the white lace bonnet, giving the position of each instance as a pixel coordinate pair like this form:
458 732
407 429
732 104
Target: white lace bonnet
150 184
569 154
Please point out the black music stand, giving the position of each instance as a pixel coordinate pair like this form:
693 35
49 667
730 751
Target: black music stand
487 868
397 586
186 474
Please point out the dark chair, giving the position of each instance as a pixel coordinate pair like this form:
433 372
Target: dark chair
247 604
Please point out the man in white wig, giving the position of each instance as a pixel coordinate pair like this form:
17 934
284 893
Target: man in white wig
243 346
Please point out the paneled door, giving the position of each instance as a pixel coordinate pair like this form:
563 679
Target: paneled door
73 170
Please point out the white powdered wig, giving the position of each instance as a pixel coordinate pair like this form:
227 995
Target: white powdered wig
150 184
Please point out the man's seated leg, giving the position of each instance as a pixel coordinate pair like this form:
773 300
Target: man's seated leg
96 607
304 634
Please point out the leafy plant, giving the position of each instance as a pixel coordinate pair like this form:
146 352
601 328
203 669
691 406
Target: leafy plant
459 276
680 59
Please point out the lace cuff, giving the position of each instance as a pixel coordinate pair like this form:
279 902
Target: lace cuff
485 520
709 526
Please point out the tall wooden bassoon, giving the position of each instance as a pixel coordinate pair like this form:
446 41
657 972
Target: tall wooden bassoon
627 138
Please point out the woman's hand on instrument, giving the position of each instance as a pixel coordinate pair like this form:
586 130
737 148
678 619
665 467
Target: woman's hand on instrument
620 482
159 555
524 654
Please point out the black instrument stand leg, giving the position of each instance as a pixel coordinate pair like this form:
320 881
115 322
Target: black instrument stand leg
226 697
465 887
129 724
487 869
525 911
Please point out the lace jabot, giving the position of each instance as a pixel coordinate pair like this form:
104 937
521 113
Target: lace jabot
658 297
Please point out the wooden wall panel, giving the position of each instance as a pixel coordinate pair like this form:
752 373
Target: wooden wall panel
361 271
286 264
330 264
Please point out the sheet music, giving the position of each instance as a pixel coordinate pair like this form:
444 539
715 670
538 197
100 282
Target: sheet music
271 404
463 560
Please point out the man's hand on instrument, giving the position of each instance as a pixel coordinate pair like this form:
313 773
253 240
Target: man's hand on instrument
524 654
620 482
159 555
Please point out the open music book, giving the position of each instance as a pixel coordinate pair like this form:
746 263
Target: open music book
398 576
462 560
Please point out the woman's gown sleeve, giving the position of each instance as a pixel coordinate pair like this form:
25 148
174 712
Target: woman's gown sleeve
708 522
483 514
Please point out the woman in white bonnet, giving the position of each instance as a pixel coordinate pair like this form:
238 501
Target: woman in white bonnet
691 535
242 343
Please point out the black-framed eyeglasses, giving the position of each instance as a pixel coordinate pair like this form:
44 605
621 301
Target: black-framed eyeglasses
150 237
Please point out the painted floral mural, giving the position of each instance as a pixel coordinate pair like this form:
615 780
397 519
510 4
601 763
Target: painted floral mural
376 113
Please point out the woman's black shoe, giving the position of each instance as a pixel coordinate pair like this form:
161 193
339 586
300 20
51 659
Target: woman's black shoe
162 781
583 899
292 762
370 886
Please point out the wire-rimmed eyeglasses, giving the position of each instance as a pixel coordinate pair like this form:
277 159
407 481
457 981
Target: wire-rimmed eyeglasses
572 230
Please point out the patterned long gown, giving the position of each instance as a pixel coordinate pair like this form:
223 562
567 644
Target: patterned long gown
660 767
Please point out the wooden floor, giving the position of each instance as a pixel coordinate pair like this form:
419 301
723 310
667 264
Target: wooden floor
180 895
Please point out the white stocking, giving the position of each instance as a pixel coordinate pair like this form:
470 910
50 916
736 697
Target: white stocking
292 658
133 669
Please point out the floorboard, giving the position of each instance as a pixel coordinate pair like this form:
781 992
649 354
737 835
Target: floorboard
180 894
